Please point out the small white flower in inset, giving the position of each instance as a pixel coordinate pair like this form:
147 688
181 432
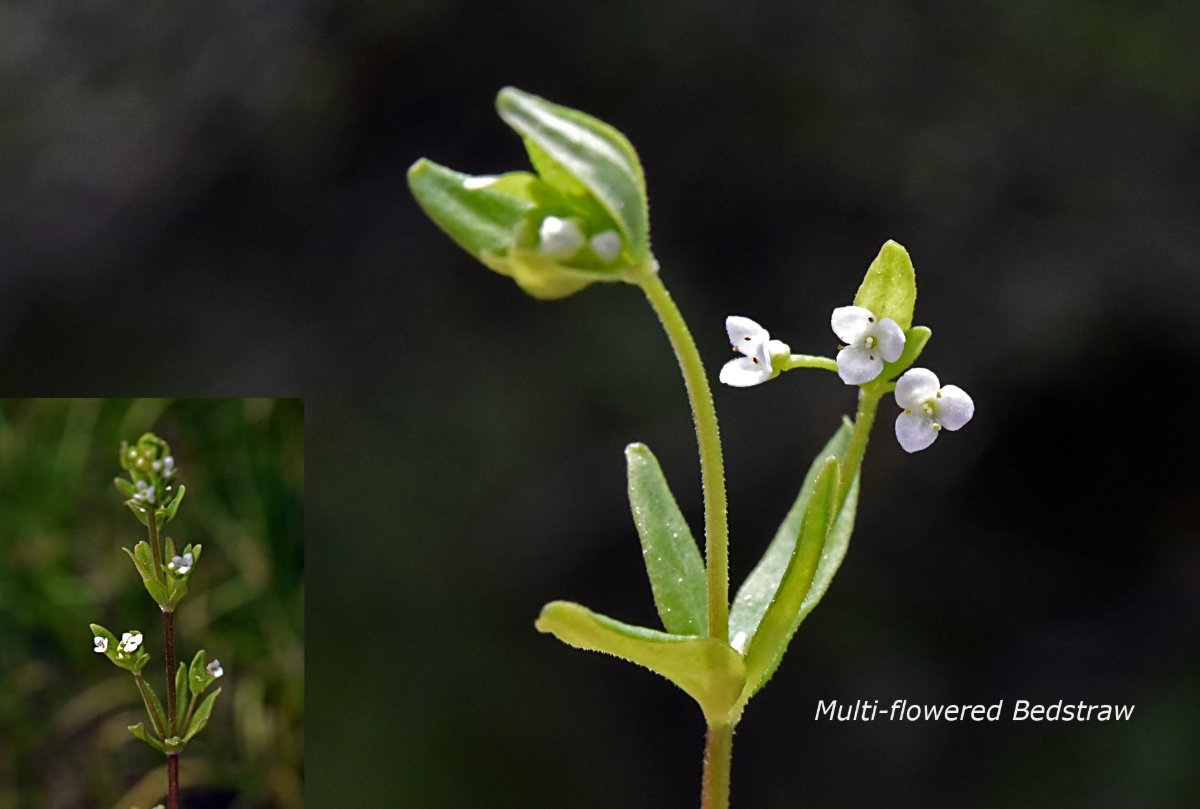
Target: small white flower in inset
753 341
168 466
928 407
180 565
130 641
214 669
559 238
101 644
869 343
606 245
144 493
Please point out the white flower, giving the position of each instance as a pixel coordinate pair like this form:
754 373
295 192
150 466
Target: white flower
752 340
180 565
928 407
144 493
214 669
868 343
606 245
168 466
101 644
130 641
559 238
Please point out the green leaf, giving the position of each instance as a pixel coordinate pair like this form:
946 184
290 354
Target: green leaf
756 592
708 670
167 513
139 730
200 718
836 543
181 690
154 707
143 560
573 150
139 511
126 487
198 677
889 288
781 620
495 220
673 561
483 215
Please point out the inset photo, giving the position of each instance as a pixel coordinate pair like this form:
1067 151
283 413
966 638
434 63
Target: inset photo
152 603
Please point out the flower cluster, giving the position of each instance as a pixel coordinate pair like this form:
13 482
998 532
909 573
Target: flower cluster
128 645
869 343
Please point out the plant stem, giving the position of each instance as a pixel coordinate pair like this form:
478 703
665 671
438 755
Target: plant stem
168 619
864 419
718 757
712 467
792 361
168 622
172 781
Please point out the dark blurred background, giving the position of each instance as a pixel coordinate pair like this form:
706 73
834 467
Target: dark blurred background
210 199
65 710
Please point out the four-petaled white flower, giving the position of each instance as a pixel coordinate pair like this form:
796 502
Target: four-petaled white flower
214 669
101 644
144 493
130 641
869 343
928 407
180 565
752 340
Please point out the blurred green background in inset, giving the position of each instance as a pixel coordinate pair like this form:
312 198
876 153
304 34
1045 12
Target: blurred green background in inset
64 709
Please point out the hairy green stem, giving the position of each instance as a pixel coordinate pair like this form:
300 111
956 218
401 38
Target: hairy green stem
712 467
718 758
869 397
718 751
792 361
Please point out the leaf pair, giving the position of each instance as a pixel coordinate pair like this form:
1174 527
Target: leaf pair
783 588
588 180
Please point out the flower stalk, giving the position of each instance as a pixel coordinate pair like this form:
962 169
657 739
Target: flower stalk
708 438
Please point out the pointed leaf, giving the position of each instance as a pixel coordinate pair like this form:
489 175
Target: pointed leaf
126 487
673 561
154 707
167 513
575 150
143 560
181 700
780 621
198 678
759 588
836 543
139 730
706 669
483 215
200 718
889 288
